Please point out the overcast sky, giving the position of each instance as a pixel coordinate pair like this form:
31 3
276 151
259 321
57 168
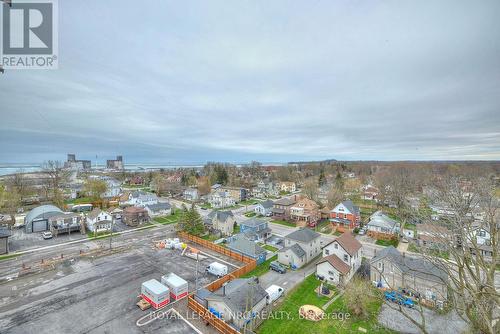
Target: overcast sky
191 81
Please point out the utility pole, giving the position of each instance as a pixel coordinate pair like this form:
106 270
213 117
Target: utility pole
111 237
196 276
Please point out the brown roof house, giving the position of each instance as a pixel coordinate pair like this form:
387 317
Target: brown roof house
281 208
134 216
305 212
341 259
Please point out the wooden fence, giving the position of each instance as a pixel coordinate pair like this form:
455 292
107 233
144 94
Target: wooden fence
208 316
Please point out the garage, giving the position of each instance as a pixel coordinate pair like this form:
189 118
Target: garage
37 220
40 225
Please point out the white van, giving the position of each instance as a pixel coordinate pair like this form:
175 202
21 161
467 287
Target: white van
217 269
274 292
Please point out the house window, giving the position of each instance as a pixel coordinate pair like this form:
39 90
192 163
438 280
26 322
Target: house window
336 246
327 252
482 233
346 257
330 272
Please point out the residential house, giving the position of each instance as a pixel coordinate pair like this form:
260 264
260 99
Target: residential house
370 193
434 236
287 186
221 199
264 208
134 216
99 220
136 181
116 213
220 221
158 209
300 247
345 216
341 259
237 193
255 229
66 222
240 244
391 269
4 240
305 212
382 226
483 241
265 189
139 198
281 208
190 194
113 187
241 302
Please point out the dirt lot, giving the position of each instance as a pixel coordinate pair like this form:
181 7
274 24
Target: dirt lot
96 295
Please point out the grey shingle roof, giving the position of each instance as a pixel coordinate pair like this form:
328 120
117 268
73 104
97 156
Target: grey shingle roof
253 222
296 249
4 233
285 201
267 204
351 207
303 235
239 293
221 216
241 244
410 265
159 206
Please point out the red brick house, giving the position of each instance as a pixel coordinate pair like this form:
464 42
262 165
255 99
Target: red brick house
345 216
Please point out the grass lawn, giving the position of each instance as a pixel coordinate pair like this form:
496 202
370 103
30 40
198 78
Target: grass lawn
206 206
283 222
170 219
249 202
211 237
305 294
250 214
268 247
261 269
387 243
9 256
236 229
81 200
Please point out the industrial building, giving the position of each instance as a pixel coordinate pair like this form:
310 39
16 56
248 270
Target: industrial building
74 164
37 220
115 164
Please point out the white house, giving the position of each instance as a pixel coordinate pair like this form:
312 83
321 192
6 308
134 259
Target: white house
191 194
99 220
158 209
265 208
301 246
380 224
341 259
140 198
221 199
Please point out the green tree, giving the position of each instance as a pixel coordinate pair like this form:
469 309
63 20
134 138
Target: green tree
191 221
322 178
95 188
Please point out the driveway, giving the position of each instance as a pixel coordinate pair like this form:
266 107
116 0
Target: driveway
289 280
449 323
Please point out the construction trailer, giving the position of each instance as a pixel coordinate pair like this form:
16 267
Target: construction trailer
155 293
178 286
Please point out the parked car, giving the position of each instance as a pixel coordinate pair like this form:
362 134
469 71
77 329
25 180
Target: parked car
47 235
398 298
278 267
217 269
362 231
274 292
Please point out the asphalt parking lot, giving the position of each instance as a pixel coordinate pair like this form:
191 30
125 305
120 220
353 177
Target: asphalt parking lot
20 240
96 295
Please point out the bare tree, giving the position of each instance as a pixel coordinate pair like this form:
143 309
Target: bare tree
464 245
334 197
310 189
57 175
